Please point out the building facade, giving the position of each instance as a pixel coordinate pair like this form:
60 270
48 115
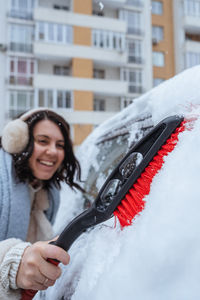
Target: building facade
187 33
88 59
163 56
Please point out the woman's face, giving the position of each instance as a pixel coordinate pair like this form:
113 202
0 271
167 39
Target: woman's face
48 152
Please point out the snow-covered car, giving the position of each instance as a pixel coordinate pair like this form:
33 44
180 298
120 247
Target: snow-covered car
158 256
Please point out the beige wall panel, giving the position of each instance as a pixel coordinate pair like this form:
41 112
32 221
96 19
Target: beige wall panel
82 6
81 132
167 45
82 36
82 68
159 73
83 100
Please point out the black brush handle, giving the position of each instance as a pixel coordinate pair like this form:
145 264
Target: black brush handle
71 232
77 226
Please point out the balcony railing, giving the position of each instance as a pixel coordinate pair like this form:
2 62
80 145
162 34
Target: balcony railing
137 3
135 89
191 59
134 31
20 80
135 60
108 40
20 47
21 14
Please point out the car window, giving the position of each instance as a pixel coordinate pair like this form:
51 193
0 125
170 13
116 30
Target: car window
113 146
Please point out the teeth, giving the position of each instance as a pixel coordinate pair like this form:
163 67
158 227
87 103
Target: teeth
47 163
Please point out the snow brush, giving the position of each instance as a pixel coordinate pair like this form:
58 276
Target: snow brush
123 193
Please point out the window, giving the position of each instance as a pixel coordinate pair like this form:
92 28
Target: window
135 2
61 7
157 7
108 40
21 38
55 98
21 71
61 70
97 12
97 73
192 59
125 102
134 78
158 59
99 105
157 34
157 81
54 33
59 33
192 37
192 8
134 51
51 36
68 34
63 99
19 102
41 31
133 20
22 9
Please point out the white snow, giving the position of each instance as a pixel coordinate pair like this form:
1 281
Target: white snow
158 257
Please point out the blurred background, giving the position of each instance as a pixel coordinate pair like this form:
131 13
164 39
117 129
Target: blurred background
90 59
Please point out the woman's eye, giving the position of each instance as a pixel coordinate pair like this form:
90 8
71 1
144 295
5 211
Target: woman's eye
60 146
43 142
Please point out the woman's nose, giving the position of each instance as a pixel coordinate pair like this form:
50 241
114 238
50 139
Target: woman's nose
51 149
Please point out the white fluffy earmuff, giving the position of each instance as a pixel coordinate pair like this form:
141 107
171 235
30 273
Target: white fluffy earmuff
15 135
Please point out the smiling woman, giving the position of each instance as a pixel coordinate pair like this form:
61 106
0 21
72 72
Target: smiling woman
48 153
36 155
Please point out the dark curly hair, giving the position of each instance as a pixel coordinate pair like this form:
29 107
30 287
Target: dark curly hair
70 165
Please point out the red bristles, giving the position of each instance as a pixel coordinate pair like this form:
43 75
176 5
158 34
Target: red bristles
133 202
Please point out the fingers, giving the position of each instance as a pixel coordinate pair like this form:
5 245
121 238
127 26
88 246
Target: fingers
48 282
35 272
52 251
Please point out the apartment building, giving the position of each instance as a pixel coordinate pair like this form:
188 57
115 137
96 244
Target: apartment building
187 33
163 55
87 59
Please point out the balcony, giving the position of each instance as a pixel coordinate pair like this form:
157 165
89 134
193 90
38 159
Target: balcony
192 46
20 14
20 47
55 51
69 18
98 86
114 3
85 117
20 80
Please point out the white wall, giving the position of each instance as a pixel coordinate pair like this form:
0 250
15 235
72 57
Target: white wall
99 86
178 35
69 18
52 51
147 46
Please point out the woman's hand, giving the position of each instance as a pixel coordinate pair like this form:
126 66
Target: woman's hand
35 272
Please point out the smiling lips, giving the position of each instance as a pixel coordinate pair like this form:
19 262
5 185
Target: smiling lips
46 163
